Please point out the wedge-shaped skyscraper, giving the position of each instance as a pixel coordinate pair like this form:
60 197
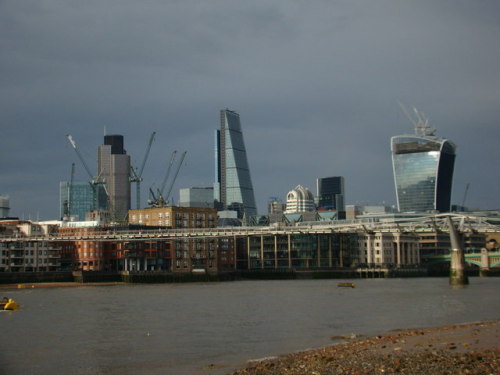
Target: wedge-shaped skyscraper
233 188
423 169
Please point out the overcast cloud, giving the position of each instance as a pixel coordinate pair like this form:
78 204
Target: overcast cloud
317 85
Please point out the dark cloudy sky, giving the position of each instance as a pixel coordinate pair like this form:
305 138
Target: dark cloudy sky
317 85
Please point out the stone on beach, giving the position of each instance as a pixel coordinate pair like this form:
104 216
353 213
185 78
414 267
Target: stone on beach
460 349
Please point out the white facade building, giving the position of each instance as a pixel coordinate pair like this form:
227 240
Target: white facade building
388 249
298 200
28 256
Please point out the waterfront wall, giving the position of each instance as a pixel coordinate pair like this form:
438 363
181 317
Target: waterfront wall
35 277
170 277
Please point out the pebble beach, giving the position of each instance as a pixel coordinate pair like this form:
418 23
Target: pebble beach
460 349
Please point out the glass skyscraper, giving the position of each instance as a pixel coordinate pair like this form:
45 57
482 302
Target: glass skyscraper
233 187
423 169
331 194
77 198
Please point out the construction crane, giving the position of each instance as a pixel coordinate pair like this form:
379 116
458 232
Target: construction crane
159 200
94 181
68 203
156 200
465 196
136 174
175 176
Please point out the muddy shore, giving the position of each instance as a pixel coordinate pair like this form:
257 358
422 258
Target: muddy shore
460 349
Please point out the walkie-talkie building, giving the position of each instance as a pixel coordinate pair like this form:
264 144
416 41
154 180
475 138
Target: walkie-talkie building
233 182
423 169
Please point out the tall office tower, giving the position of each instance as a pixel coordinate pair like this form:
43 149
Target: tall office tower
233 186
331 194
113 168
423 169
77 198
4 206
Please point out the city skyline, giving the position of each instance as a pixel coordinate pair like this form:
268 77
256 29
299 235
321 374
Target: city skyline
318 86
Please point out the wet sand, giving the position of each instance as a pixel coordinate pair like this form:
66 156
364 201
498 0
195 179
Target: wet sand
460 349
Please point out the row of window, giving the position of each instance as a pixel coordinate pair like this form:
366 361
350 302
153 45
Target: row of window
166 216
6 253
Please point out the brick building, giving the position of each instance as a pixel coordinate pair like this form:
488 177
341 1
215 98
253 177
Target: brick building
184 255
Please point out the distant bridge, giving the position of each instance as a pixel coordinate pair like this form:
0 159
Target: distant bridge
484 259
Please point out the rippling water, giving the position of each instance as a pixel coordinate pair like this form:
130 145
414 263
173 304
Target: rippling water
213 328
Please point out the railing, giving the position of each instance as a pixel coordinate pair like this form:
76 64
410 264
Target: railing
421 224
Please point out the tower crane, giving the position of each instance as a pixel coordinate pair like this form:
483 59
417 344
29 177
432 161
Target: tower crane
465 195
136 174
94 181
160 200
68 202
167 197
155 200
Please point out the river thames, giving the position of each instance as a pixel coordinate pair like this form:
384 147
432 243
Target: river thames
213 328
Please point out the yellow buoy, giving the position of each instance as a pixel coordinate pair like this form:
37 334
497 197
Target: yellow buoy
11 305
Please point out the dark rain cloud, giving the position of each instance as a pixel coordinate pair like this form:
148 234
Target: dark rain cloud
317 85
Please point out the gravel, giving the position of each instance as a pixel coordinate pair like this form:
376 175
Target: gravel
460 349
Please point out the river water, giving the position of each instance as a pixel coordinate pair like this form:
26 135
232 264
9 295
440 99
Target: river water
213 328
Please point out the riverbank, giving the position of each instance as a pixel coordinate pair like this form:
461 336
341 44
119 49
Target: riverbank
459 349
56 285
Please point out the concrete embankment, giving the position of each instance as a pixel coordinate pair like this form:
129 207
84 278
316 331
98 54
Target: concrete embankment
93 277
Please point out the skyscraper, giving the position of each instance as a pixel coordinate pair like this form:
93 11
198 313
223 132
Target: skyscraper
113 168
77 198
423 169
233 187
4 206
331 195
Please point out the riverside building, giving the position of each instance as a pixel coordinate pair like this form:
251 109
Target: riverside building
388 249
423 169
233 187
23 255
180 255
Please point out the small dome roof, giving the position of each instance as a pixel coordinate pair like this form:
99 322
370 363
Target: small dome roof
301 193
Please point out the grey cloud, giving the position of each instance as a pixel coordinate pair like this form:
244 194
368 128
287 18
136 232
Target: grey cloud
317 86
